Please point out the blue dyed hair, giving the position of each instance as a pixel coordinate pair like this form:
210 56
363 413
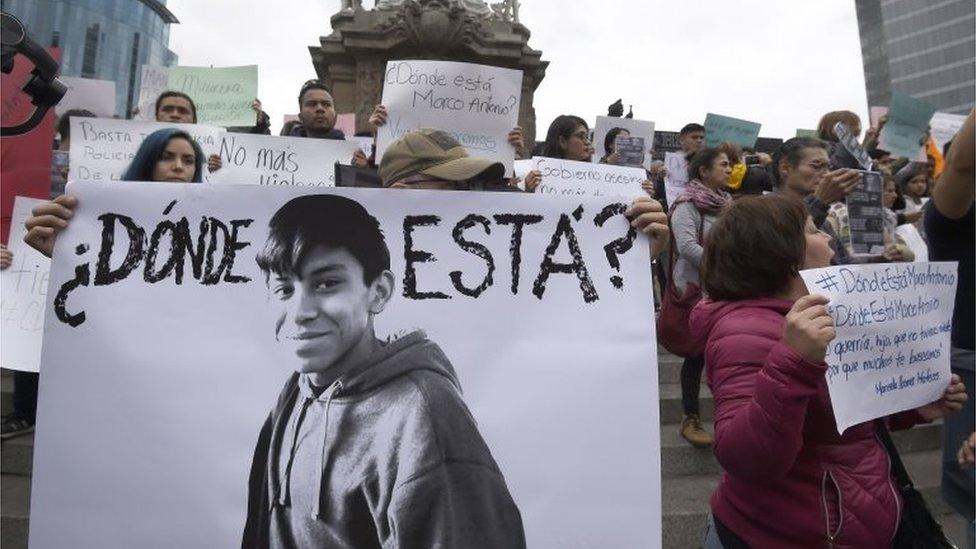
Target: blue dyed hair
143 164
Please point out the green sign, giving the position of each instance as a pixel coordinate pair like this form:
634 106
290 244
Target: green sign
806 133
719 129
223 95
908 120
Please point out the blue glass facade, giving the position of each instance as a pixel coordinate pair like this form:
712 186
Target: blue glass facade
103 39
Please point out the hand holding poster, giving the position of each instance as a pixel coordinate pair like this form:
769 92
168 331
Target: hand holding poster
477 104
223 95
719 129
893 324
155 438
571 178
271 160
24 287
630 128
102 148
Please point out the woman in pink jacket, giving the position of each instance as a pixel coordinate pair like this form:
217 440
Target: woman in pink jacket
789 479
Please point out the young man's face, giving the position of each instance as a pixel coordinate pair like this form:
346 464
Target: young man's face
692 141
175 109
324 313
317 111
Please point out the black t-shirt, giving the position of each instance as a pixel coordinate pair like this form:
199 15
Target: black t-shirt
955 240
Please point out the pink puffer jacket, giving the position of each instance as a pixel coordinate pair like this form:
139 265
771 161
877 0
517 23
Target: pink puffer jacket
789 479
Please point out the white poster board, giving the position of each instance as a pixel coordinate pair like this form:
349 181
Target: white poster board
97 96
271 160
477 104
944 127
572 178
151 404
893 323
636 128
102 148
155 81
24 287
676 176
913 239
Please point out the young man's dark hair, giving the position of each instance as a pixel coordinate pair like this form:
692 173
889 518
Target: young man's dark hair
328 220
693 127
181 95
64 122
312 85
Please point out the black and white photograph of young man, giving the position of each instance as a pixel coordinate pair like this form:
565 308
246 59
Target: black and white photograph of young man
370 443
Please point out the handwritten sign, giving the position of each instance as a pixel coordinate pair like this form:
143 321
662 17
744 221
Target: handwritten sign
24 287
849 141
571 178
636 128
271 160
719 129
102 148
223 96
631 151
97 96
865 208
908 120
676 165
477 104
893 325
155 80
944 127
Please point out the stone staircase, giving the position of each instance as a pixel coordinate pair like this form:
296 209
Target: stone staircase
690 475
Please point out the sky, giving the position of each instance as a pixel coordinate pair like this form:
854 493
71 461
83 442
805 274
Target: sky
780 63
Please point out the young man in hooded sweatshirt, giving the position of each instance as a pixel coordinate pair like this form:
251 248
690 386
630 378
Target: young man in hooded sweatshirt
370 443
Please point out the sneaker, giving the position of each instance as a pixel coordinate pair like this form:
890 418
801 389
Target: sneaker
14 426
694 433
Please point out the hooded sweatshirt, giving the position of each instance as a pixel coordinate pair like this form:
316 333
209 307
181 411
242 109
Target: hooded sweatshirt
402 462
789 479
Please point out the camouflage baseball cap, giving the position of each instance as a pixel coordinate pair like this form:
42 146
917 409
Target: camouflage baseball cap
437 154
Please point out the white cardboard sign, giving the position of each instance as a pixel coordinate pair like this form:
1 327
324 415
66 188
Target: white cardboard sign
155 80
572 178
97 96
893 323
677 175
272 160
636 128
477 104
158 380
24 287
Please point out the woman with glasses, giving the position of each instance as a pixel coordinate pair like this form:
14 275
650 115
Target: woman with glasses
568 138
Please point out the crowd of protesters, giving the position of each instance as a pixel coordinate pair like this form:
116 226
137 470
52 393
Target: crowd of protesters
731 246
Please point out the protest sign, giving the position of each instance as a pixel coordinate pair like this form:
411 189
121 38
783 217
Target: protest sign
944 127
477 104
634 127
913 239
97 96
676 164
908 120
719 129
223 95
805 133
155 80
865 210
271 160
152 439
893 324
24 287
631 151
572 178
102 148
849 141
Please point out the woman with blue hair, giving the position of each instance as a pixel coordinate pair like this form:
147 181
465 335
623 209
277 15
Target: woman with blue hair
166 155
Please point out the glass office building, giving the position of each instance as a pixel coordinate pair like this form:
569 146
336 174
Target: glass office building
103 39
925 48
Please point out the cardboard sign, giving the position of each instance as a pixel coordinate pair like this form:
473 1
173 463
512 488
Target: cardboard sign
155 80
571 178
944 127
892 349
223 95
631 151
719 129
677 175
157 436
97 96
849 141
271 160
636 128
24 291
865 208
908 120
477 104
102 148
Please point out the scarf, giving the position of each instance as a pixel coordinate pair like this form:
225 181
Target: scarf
706 200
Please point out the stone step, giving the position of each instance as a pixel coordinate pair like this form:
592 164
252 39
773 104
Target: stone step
669 368
686 500
17 455
14 510
671 411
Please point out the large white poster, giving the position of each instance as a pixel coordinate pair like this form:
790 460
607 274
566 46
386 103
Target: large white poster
893 324
633 128
102 148
166 347
572 178
271 160
477 104
97 96
24 290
